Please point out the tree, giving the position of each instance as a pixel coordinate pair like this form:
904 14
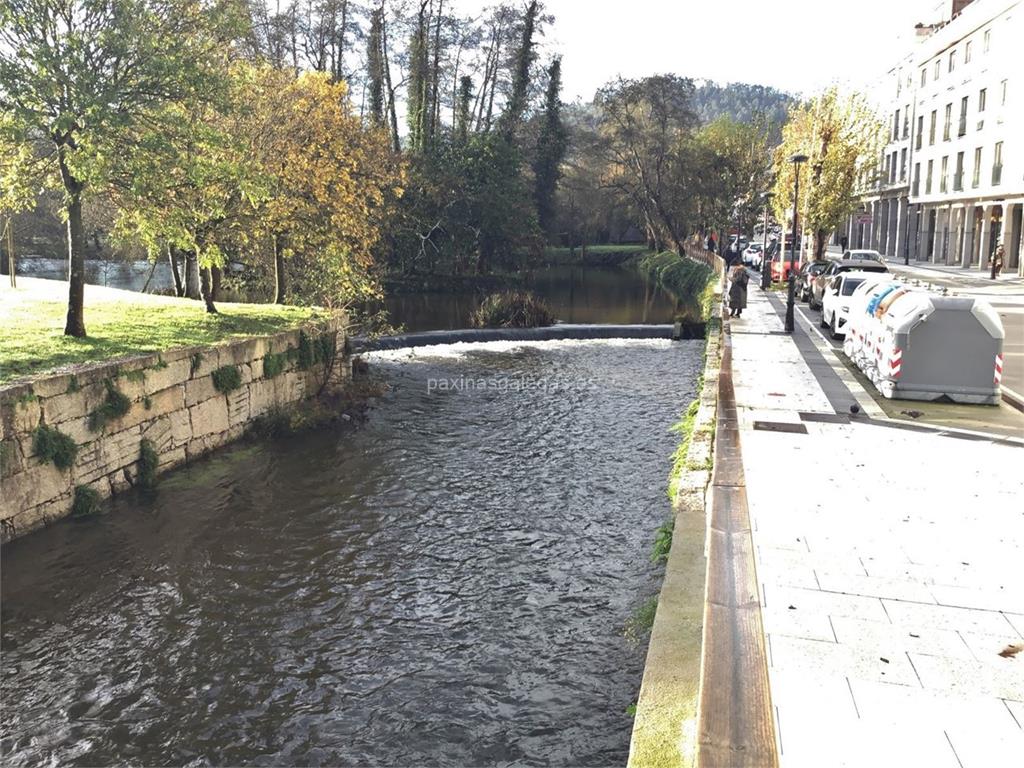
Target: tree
841 135
331 184
116 62
375 66
643 125
522 64
552 142
736 164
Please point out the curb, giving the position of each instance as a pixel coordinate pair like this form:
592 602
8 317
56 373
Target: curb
1013 399
665 724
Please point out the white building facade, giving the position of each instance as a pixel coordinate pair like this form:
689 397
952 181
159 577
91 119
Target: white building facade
952 173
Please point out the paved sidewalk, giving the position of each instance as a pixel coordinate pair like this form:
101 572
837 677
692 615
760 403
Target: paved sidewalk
888 563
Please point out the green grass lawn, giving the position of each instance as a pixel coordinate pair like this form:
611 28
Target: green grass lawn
564 251
32 339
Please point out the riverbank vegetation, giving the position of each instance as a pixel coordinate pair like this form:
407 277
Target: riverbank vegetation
512 309
690 282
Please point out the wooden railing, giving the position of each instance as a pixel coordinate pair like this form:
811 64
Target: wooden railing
709 258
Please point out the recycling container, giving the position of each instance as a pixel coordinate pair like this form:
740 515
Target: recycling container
932 347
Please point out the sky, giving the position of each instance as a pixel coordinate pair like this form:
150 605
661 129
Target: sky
798 46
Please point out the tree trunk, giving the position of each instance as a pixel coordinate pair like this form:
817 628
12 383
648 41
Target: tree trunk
216 274
192 288
179 287
819 244
280 284
149 278
392 113
206 283
75 324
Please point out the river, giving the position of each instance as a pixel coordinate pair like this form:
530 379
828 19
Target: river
615 295
445 583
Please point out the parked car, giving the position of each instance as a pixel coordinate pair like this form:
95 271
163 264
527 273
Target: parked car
780 265
819 281
835 304
805 276
752 255
863 255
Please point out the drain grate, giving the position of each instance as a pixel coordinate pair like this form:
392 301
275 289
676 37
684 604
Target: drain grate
780 426
825 418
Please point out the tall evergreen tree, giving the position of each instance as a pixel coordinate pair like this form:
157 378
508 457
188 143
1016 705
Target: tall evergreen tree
552 143
464 107
418 110
516 108
375 66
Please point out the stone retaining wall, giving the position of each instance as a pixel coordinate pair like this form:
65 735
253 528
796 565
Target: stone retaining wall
173 404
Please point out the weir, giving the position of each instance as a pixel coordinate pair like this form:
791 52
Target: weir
556 332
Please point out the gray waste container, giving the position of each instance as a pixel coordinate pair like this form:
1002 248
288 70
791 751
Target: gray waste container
940 346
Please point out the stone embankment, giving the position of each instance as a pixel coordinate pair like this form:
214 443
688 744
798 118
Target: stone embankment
97 421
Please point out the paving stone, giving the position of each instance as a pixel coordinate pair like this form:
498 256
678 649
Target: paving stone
971 678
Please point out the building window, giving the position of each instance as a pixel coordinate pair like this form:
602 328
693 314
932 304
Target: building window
1002 96
982 95
944 174
938 69
906 121
924 76
958 176
945 125
997 164
976 176
885 173
896 126
952 60
967 52
962 128
931 129
920 131
903 164
928 180
987 40
917 179
892 169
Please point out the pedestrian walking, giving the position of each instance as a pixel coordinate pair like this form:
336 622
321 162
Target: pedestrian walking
997 262
738 291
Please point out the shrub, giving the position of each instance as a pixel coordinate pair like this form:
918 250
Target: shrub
274 364
50 444
325 348
306 355
148 462
639 625
663 541
87 501
512 309
115 405
227 378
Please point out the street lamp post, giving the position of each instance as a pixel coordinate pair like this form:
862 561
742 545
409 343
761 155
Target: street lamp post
791 292
766 263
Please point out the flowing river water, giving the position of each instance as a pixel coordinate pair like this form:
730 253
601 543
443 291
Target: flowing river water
445 583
